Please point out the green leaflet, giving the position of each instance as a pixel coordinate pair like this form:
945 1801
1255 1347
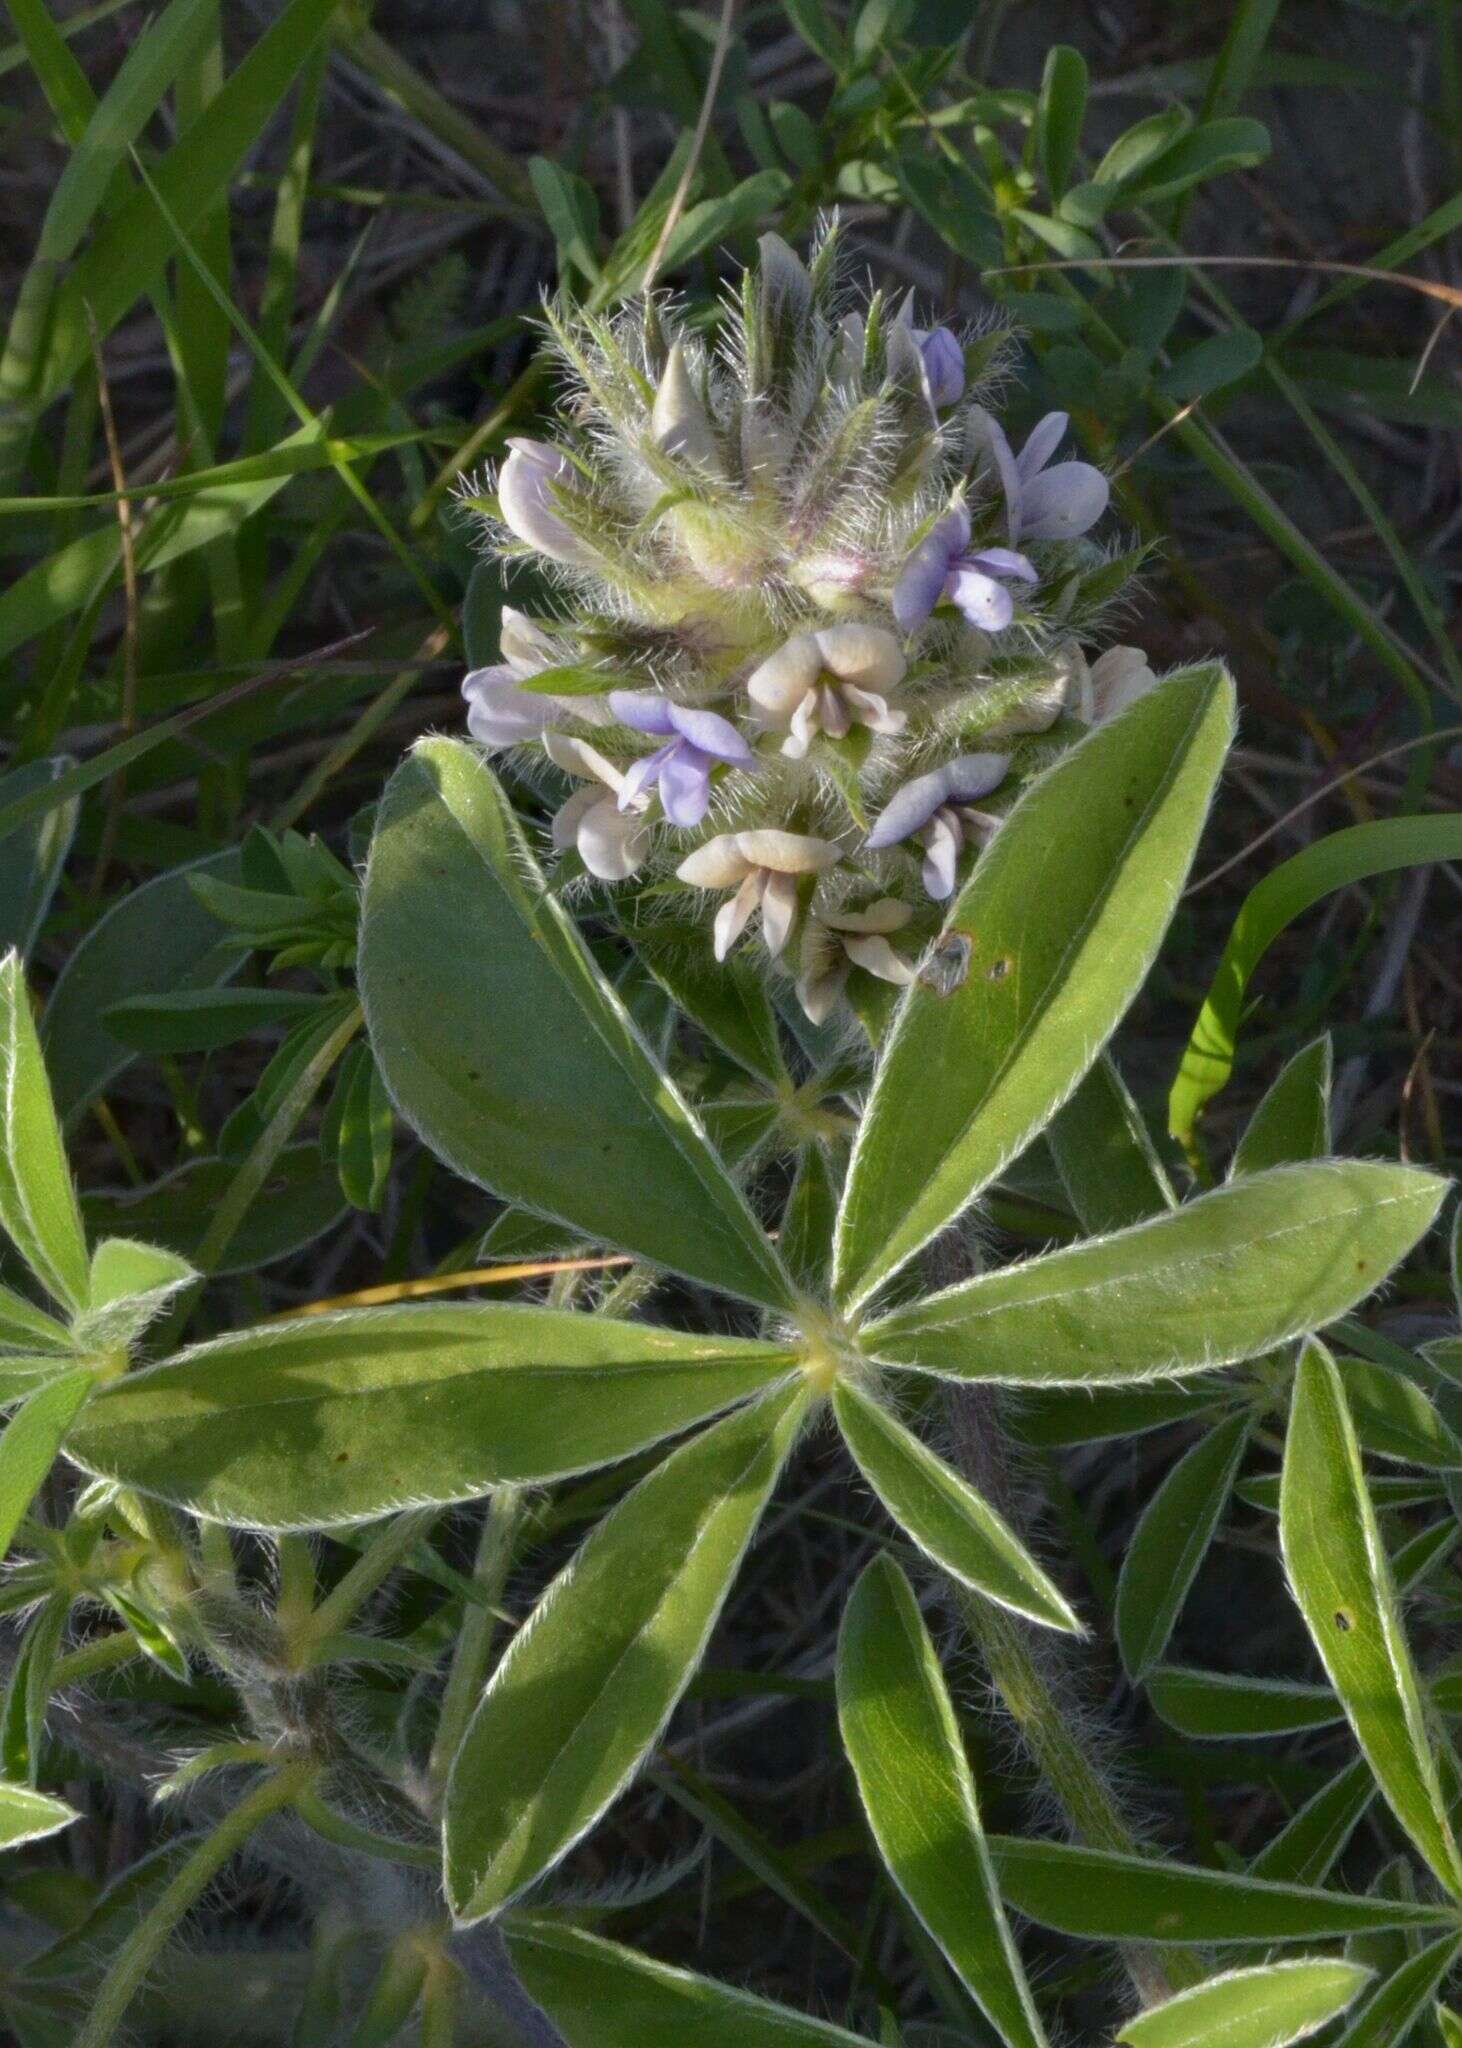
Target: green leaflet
1105 1155
1394 1418
595 1991
1267 2007
904 1744
32 1438
1340 1576
503 1045
1308 1847
1215 1706
1393 2008
26 1815
1352 855
1229 1275
587 1686
1056 928
1170 1542
37 1201
1293 1120
327 1419
944 1514
1109 1897
154 941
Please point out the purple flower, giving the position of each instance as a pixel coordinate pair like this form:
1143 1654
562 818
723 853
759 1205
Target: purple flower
499 711
695 741
1043 503
943 566
944 366
937 807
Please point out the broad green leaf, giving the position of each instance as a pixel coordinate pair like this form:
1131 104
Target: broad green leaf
806 1237
1105 1154
1267 2007
37 1201
26 1815
299 1202
1340 1576
1210 364
587 1687
903 1741
1171 1541
1225 1277
727 999
154 940
32 1438
1109 1897
1293 1120
944 1514
32 857
1217 1706
1392 2010
201 1019
1056 930
1308 1846
603 1996
503 1045
1394 1418
1352 855
1141 145
1082 1415
1213 147
336 1418
131 1284
24 1327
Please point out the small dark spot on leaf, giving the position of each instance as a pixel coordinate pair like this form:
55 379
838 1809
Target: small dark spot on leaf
1343 1621
342 1457
998 969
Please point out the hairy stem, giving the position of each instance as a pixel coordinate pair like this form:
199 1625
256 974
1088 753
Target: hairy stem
482 1956
1048 1729
148 1939
474 1641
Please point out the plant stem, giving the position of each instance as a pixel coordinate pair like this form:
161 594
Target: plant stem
1049 1731
145 1943
376 1562
474 1641
482 1956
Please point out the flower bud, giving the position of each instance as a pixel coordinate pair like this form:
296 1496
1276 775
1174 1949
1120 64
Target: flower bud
679 421
525 489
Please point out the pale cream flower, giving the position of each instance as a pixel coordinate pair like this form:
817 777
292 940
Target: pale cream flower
604 821
834 942
763 868
828 682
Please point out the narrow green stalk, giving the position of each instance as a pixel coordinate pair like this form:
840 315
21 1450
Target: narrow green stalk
1048 1730
474 1641
376 1562
147 1940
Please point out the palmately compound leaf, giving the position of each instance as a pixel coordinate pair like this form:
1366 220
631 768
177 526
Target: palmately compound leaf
503 1045
37 1201
1171 1541
1267 2007
944 1514
1340 1576
903 1741
1221 1279
1053 935
595 1990
319 1420
588 1683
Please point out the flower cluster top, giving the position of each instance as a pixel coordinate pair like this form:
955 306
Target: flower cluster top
814 617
